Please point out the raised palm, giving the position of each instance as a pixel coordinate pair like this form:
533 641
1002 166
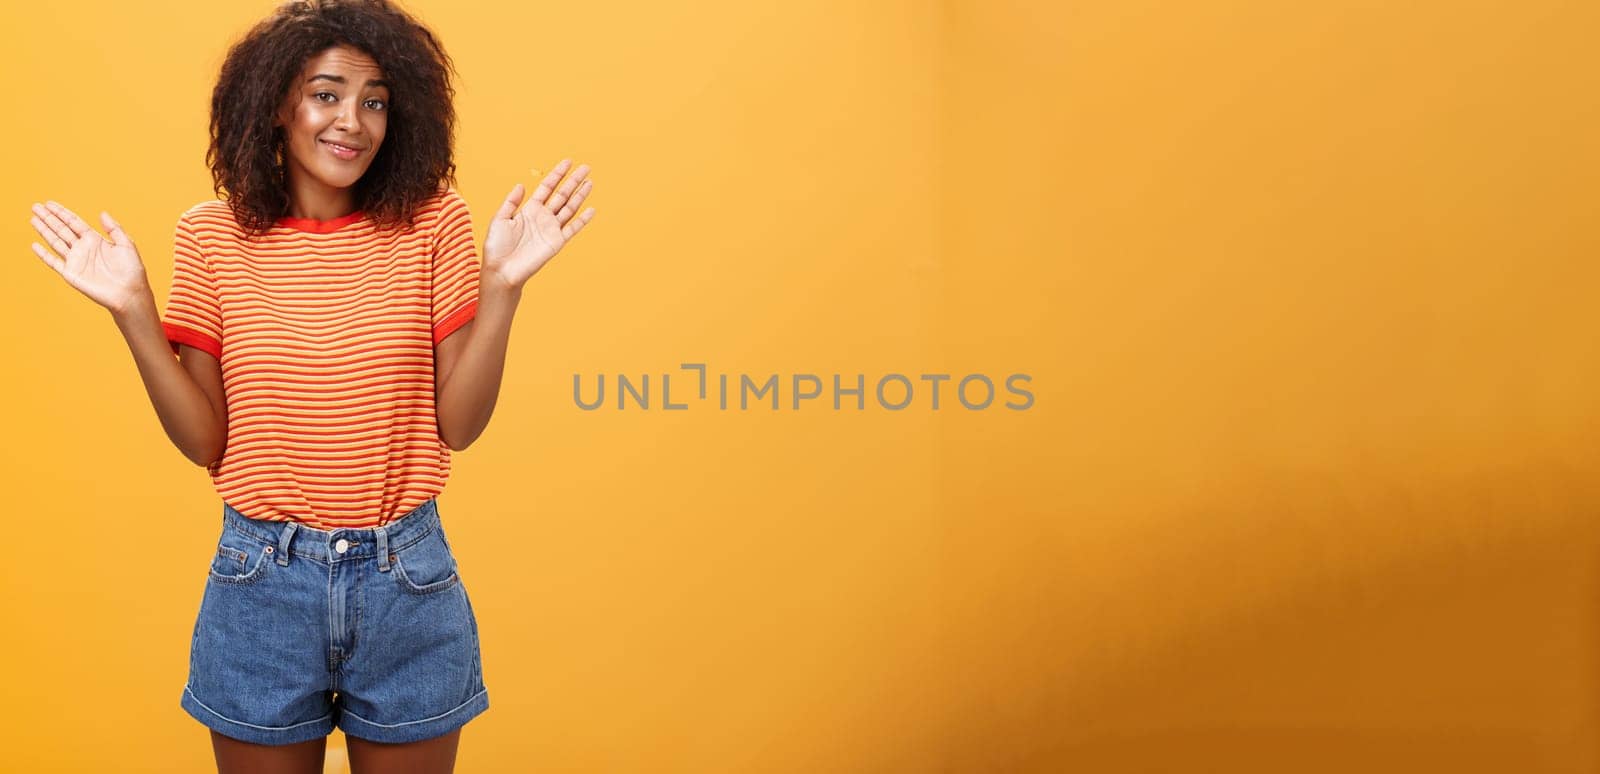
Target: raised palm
106 269
520 242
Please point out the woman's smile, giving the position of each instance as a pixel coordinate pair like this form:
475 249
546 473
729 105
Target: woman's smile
342 152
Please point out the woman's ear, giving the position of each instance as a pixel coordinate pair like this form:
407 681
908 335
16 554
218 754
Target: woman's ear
278 149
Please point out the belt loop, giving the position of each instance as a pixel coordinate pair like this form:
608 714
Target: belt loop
383 547
283 542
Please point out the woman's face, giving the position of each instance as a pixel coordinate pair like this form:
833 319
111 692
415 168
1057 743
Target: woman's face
334 117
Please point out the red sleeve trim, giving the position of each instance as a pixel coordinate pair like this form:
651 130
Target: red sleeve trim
177 334
454 321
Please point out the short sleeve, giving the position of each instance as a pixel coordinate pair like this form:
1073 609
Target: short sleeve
194 313
455 267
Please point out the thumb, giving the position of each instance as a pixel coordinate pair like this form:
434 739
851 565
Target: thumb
114 230
512 200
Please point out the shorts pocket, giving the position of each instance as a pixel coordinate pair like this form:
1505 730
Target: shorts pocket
425 566
238 565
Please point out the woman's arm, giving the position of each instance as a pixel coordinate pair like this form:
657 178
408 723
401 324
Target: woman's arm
186 392
469 365
188 396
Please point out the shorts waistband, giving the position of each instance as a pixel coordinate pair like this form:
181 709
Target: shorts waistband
294 538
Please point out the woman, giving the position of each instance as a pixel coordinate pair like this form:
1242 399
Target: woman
336 338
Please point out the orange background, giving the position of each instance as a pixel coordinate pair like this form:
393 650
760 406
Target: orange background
1308 484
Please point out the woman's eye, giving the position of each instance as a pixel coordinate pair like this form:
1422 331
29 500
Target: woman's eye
319 96
380 104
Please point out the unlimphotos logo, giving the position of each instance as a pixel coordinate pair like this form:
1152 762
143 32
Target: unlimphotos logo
894 392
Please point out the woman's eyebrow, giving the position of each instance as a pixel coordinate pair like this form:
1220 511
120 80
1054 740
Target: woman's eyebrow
340 79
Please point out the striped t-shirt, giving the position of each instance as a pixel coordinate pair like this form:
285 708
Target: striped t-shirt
325 331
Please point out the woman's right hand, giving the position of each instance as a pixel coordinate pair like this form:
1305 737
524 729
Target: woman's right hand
106 269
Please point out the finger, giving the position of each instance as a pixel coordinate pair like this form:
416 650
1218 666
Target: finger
513 199
114 230
549 182
566 188
565 213
50 236
74 222
571 229
54 228
49 260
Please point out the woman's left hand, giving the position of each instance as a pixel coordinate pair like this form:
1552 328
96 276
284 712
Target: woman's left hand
521 242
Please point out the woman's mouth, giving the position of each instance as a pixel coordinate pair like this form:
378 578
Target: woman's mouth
342 152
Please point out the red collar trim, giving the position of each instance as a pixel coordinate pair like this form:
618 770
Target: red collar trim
321 226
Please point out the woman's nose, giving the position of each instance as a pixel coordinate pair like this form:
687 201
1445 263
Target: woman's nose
346 119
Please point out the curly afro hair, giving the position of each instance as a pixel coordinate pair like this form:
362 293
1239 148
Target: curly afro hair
247 154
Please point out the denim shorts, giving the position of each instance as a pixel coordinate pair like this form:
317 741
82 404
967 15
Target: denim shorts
302 630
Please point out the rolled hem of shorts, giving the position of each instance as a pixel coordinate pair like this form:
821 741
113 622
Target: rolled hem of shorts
247 732
416 730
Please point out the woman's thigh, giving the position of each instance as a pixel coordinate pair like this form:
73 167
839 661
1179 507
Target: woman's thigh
429 756
236 757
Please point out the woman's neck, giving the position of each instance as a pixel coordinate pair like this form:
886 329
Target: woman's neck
311 200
